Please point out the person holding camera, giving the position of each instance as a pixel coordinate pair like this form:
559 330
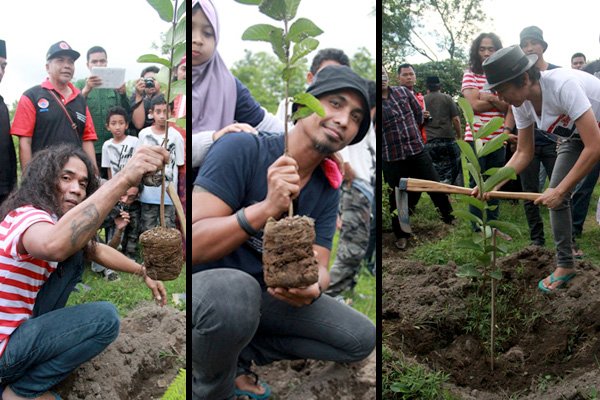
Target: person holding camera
145 89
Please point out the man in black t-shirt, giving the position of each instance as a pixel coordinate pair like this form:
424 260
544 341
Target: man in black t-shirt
244 180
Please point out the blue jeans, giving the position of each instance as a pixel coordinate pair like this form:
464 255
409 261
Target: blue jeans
235 324
46 348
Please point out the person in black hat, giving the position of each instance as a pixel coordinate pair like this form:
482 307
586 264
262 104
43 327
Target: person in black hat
442 131
54 112
564 103
244 180
8 160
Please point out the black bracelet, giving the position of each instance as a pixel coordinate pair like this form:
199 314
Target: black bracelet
243 222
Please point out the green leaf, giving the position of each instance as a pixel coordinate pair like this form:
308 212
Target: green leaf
491 171
260 32
471 201
490 127
278 45
467 150
177 87
467 111
506 227
467 216
303 28
478 145
310 102
180 30
303 48
181 10
153 58
279 10
468 271
485 258
467 244
181 122
164 8
178 53
476 177
501 175
497 142
497 275
301 112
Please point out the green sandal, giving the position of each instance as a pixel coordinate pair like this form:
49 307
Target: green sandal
563 281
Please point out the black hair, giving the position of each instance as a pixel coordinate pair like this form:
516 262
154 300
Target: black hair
151 68
326 55
405 65
474 59
533 73
372 89
116 110
95 49
41 178
578 55
593 68
156 100
433 87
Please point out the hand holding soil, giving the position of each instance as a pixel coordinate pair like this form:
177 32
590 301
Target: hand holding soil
297 297
146 160
158 290
283 185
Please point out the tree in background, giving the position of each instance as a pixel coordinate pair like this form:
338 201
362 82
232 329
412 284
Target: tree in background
261 73
408 26
450 73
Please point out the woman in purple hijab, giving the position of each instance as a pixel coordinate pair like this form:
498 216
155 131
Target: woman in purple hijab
219 100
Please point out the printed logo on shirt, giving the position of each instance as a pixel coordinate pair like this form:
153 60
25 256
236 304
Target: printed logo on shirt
43 104
80 117
563 126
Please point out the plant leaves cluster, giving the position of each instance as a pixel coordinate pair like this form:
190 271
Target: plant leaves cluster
290 44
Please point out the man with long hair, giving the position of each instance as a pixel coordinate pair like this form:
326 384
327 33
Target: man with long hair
48 227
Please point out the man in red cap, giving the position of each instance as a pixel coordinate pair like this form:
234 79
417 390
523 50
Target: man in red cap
54 112
8 161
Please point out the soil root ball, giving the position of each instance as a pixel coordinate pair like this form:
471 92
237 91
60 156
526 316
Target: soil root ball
162 252
288 257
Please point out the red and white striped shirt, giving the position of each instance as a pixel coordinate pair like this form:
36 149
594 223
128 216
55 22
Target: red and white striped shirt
472 80
21 275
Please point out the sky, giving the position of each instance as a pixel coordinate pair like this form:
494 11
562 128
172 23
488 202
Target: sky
125 28
347 24
569 26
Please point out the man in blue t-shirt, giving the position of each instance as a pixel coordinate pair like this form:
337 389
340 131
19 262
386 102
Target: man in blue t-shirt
244 180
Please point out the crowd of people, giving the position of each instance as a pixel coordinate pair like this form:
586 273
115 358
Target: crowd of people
550 115
83 150
242 177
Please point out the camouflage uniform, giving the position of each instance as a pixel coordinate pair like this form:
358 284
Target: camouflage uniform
353 239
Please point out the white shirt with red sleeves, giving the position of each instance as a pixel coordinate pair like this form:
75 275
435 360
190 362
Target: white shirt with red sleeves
21 275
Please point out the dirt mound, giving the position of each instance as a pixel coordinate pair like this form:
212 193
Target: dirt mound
140 364
320 380
543 340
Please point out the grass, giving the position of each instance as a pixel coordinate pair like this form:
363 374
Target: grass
126 293
424 384
364 295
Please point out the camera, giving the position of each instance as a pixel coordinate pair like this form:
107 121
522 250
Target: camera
149 82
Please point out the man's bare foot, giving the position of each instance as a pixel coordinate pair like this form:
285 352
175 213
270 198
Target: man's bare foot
248 383
8 394
558 278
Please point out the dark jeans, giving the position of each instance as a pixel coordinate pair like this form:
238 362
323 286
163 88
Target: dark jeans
445 154
492 160
418 166
580 201
46 348
530 182
235 324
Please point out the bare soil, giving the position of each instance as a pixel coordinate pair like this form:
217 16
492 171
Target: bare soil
321 380
139 365
551 350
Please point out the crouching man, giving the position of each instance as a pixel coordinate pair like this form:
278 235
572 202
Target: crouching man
48 228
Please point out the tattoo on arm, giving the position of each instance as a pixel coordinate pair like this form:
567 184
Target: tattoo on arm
88 222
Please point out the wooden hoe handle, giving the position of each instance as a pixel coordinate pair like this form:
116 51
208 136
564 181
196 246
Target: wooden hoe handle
422 185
